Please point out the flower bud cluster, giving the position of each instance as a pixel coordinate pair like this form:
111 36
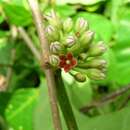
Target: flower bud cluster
72 48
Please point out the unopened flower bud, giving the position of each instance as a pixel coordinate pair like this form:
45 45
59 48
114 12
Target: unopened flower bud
97 49
82 56
95 74
54 60
80 77
94 63
86 38
51 15
70 41
83 43
81 25
67 25
53 19
55 47
51 32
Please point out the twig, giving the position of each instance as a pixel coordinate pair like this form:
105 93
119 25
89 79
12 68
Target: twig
6 65
125 102
12 58
29 43
107 99
45 62
10 70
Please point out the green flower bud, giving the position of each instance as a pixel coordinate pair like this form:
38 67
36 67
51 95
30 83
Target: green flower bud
70 41
76 49
97 49
82 56
83 43
54 19
52 33
95 74
86 38
94 63
81 25
80 77
67 25
51 15
54 60
56 47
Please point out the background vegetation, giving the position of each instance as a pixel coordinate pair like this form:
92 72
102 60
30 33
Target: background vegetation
97 105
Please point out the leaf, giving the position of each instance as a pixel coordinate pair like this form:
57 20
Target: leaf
3 34
61 9
114 121
98 23
118 120
43 118
17 15
65 10
42 115
19 112
122 47
85 2
5 53
1 19
4 99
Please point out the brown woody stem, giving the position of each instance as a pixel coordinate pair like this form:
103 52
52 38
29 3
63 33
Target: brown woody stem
107 99
45 63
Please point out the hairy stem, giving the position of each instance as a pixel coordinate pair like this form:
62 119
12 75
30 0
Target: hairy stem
45 63
65 103
107 99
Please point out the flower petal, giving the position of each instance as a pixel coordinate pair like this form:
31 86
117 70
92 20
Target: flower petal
73 62
62 57
67 68
62 64
69 56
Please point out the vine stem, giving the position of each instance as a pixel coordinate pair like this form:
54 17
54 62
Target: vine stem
107 99
45 63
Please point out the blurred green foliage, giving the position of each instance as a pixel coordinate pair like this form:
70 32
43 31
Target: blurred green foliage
26 106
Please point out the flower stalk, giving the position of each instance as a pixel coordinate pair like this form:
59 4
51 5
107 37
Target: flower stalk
64 102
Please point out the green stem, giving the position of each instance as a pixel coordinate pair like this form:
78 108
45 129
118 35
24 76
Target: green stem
65 103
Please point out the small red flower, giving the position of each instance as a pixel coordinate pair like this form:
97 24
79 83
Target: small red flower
67 62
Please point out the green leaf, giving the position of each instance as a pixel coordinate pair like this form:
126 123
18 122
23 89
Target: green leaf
42 115
98 23
3 33
17 15
65 10
19 112
5 53
85 2
122 47
1 19
118 120
43 118
114 121
4 99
